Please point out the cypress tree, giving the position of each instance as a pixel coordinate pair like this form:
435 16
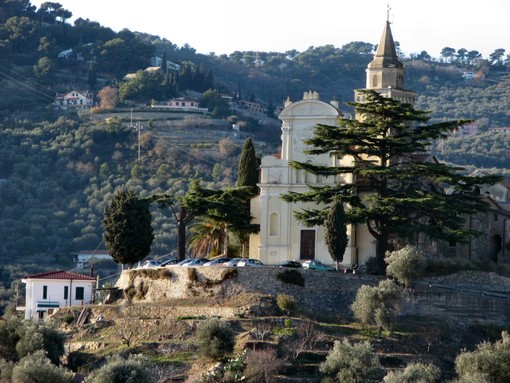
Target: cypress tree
127 226
336 232
248 167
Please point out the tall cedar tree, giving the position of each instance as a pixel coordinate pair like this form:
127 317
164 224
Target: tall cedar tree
216 207
127 226
247 176
227 208
336 232
395 193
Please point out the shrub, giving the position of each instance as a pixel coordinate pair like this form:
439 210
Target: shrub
351 363
6 371
141 290
414 372
262 366
286 303
35 335
490 361
234 369
192 274
37 367
215 338
293 277
378 305
68 318
134 369
406 265
9 337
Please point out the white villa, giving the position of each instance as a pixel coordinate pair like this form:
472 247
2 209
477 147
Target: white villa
75 100
53 289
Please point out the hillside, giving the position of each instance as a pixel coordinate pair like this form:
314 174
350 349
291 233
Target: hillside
169 305
58 171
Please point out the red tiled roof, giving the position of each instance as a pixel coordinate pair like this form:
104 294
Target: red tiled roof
60 274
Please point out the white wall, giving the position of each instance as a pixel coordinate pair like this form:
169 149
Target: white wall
55 294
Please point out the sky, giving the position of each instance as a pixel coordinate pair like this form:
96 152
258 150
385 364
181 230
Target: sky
225 26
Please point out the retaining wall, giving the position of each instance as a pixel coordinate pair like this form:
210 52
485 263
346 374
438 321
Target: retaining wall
323 294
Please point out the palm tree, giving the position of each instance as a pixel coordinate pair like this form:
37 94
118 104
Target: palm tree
208 237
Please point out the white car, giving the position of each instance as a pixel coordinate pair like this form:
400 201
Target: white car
249 262
150 263
217 262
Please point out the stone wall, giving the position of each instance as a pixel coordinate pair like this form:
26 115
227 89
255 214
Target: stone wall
323 294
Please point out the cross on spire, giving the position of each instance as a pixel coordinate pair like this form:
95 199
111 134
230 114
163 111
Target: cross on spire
388 9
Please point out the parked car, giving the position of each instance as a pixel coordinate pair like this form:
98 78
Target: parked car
317 265
249 262
169 262
184 261
293 264
232 263
217 262
196 262
151 263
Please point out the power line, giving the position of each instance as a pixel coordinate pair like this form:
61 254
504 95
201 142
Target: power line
32 90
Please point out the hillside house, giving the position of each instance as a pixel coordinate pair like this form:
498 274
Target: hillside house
149 70
184 104
157 61
87 257
53 289
75 100
250 107
502 129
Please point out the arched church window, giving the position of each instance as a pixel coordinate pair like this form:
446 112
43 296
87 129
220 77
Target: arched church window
400 82
374 81
274 225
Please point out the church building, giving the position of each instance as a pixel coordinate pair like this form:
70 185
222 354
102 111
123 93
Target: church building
282 237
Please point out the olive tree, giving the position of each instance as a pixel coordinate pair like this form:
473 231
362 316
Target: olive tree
133 369
414 372
406 264
378 305
36 367
490 362
351 363
215 338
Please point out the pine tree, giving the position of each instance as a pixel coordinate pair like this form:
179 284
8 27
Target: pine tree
127 226
394 192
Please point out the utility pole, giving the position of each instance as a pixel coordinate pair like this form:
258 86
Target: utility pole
139 129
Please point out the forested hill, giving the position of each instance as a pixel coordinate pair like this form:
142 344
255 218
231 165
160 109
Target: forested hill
41 53
58 172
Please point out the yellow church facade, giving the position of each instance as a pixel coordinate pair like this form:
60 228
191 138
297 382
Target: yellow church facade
282 236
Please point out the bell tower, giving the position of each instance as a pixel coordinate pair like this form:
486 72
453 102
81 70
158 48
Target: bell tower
385 73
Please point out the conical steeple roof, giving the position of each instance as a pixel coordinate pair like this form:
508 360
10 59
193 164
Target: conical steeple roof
386 55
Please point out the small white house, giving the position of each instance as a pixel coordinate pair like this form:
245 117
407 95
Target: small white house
53 289
75 100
